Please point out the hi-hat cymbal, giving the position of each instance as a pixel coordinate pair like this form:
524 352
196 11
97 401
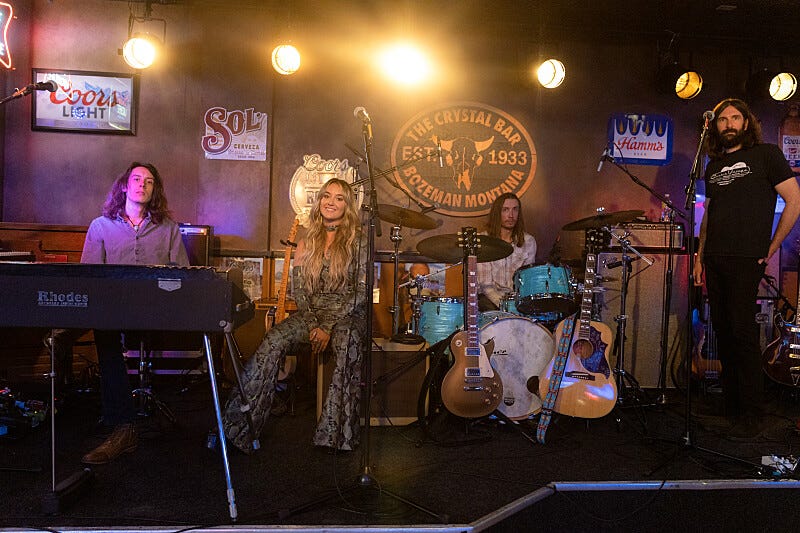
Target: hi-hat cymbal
447 248
604 219
405 217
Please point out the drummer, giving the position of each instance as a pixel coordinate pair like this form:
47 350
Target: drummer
496 278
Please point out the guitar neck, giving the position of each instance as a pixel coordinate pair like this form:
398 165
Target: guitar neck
585 320
280 312
471 307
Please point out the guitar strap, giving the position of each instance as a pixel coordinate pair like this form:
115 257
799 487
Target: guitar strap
559 364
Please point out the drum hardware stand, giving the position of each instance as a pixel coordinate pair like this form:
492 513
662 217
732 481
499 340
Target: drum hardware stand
402 338
628 390
365 479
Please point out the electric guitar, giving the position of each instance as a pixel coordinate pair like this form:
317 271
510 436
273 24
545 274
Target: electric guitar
781 357
471 388
705 361
278 313
588 389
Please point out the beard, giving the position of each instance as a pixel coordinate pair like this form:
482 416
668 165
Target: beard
730 141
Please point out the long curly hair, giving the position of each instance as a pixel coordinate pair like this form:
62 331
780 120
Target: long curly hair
157 207
343 249
750 136
495 221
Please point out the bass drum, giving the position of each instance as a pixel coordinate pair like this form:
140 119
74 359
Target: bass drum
522 350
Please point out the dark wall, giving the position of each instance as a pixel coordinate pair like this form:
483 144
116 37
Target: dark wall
219 56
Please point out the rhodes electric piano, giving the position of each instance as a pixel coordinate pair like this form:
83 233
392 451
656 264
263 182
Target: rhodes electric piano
126 297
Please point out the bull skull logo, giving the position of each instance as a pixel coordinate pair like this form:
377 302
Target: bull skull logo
464 157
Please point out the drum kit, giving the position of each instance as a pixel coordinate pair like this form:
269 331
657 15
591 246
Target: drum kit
543 295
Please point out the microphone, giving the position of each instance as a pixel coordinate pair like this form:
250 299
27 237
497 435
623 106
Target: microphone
603 158
439 150
615 264
708 116
49 85
361 114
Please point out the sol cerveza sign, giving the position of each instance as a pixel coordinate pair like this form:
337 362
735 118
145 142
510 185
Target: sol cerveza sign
485 152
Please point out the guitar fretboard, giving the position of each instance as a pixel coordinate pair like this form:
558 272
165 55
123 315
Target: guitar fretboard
584 327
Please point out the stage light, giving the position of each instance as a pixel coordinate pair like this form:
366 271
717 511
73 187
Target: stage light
142 48
765 83
405 64
676 79
551 73
285 59
782 86
140 51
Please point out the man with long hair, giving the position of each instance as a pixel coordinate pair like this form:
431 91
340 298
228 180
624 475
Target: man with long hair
135 229
496 278
743 179
330 292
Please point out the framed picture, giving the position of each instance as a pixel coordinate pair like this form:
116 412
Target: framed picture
85 102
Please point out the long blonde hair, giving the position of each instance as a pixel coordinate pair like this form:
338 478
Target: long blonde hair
343 248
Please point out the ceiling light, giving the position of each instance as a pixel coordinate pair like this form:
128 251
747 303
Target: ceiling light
551 73
141 50
285 59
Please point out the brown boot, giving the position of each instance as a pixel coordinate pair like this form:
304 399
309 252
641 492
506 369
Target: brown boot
122 440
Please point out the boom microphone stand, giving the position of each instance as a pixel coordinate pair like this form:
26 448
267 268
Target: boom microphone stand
687 439
365 479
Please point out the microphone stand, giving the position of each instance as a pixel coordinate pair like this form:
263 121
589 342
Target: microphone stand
687 438
365 479
668 275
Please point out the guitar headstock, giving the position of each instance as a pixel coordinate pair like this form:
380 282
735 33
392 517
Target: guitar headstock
596 240
469 240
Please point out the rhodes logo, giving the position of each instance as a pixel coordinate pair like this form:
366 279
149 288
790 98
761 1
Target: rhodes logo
463 156
62 299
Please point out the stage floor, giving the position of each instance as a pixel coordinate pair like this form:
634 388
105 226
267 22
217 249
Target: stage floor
635 473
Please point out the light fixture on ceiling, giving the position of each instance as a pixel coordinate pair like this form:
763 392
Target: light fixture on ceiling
285 59
672 77
765 83
551 73
142 48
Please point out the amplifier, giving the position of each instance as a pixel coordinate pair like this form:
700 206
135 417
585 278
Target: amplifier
197 241
652 236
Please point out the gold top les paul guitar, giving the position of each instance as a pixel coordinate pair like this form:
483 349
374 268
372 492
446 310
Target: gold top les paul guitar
471 388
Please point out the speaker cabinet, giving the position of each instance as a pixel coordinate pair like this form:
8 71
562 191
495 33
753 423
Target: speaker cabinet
643 308
197 241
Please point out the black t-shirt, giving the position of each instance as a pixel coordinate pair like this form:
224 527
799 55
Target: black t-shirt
741 185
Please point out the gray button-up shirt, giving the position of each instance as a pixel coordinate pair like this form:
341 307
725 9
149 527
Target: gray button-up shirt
116 242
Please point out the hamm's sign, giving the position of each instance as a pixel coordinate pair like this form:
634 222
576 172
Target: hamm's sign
471 154
641 139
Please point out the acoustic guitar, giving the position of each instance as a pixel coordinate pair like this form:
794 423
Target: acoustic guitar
587 389
471 388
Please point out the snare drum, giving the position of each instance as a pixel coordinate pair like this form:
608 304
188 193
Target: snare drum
544 289
439 317
522 349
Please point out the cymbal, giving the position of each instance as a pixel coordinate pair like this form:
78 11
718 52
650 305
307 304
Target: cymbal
405 217
447 248
604 219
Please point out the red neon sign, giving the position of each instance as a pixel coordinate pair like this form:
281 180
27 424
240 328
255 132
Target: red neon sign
6 14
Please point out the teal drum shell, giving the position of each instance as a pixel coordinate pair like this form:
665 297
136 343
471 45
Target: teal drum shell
439 317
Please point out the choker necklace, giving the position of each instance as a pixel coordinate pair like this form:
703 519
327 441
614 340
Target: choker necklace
331 228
